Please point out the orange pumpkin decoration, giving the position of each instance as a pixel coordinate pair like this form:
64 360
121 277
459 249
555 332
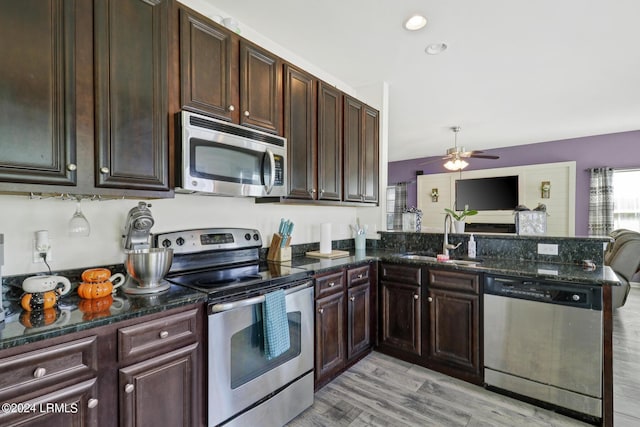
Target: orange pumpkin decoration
96 308
95 290
96 275
39 300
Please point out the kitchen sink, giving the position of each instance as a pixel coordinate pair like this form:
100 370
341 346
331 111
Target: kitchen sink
428 258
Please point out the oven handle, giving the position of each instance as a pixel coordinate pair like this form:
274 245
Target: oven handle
272 165
226 306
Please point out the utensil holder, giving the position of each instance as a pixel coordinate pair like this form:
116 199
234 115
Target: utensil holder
277 252
361 242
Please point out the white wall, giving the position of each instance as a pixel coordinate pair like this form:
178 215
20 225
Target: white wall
21 217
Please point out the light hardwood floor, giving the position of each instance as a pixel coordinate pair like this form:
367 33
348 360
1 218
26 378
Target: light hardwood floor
383 391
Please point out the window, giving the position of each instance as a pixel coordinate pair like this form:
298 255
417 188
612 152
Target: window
626 204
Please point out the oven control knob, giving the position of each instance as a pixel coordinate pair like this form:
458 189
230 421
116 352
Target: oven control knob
256 237
166 243
180 241
247 236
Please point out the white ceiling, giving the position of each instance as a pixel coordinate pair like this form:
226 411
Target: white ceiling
516 71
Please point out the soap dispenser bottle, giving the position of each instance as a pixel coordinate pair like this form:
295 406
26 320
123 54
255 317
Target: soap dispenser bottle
471 247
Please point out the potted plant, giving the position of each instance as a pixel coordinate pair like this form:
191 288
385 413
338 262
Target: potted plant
458 218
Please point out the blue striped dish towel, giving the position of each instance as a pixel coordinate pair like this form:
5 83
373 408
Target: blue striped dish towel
275 324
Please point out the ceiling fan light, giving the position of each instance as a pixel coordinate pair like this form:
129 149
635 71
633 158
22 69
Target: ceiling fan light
456 165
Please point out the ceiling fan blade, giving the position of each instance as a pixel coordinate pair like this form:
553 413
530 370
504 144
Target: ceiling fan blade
483 156
433 161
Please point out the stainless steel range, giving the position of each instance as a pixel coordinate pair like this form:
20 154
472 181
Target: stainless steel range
245 385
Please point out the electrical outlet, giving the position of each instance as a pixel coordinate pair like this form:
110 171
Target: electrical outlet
36 255
547 249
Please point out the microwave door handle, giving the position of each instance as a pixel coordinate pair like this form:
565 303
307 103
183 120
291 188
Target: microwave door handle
272 175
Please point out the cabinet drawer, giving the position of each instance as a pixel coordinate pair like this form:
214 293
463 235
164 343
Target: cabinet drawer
401 273
329 284
157 335
358 275
454 280
58 366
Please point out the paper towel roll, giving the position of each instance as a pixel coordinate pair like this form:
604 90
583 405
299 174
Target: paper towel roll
325 238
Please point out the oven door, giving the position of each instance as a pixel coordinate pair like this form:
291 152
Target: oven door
240 375
244 163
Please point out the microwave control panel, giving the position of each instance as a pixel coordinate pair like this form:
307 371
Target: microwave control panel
279 172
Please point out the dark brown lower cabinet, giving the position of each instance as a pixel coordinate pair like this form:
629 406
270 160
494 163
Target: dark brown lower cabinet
344 316
160 391
139 372
431 317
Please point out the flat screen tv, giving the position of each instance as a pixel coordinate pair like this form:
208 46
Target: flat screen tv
487 194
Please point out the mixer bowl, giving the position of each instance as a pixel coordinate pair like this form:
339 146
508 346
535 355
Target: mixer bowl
149 266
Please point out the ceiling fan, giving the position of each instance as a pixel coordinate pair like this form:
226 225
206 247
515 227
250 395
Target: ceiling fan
456 155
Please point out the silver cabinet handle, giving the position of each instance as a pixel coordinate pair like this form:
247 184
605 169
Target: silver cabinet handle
332 284
104 170
321 310
430 299
71 167
164 334
360 276
415 296
92 403
129 388
232 108
246 113
352 299
39 373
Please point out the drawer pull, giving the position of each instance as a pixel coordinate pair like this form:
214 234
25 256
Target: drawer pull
164 334
332 284
430 299
39 373
321 310
415 296
92 403
360 276
129 388
352 299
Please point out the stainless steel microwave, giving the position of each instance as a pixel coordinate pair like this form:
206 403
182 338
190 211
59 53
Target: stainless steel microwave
230 160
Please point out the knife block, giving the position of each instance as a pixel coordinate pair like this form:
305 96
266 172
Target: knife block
278 253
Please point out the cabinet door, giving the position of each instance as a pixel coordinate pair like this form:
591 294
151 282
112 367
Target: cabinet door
330 354
370 156
75 405
300 131
260 88
329 142
208 67
352 146
130 43
160 391
401 317
37 93
358 319
455 329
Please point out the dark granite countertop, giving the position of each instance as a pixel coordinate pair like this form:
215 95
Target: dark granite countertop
71 314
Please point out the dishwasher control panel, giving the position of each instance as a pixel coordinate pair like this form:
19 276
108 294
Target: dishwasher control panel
575 295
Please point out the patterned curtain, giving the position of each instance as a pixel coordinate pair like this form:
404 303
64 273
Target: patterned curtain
601 202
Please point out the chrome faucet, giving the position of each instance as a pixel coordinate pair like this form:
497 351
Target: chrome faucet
446 245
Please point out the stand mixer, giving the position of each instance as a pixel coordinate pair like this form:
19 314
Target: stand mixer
146 266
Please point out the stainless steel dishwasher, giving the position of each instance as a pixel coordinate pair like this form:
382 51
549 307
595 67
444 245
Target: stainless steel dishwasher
543 340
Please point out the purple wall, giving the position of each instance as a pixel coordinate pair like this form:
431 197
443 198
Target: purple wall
618 150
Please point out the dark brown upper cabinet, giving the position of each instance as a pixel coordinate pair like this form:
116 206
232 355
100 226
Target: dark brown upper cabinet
131 49
37 103
209 64
300 131
260 88
329 142
361 139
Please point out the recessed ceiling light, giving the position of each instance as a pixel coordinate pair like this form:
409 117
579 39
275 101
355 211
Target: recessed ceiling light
415 23
436 48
